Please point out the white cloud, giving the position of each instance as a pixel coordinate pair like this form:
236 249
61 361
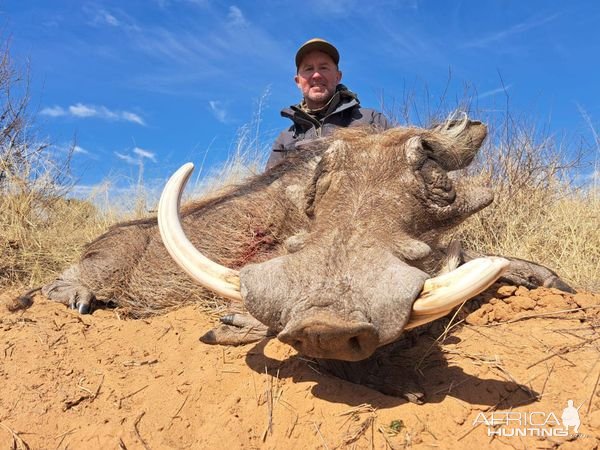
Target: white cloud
139 154
144 154
499 36
132 117
80 110
127 158
236 17
99 17
53 111
490 93
193 52
110 19
218 110
167 3
73 149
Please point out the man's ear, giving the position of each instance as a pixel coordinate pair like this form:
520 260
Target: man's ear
339 76
297 80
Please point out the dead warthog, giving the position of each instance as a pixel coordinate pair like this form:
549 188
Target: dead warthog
333 250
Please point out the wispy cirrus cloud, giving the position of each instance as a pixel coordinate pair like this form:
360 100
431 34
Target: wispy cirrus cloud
191 53
492 92
139 154
84 111
127 158
218 110
145 154
73 149
80 150
98 17
236 17
168 3
499 36
53 111
104 17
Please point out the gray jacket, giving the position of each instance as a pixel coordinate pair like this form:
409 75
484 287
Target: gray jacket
346 113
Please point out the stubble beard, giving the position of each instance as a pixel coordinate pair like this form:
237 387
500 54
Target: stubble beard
319 99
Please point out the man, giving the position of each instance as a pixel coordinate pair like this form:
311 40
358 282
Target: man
326 103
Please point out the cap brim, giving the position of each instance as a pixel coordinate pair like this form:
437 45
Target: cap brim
321 46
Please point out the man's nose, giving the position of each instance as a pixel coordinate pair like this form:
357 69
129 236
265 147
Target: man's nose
317 74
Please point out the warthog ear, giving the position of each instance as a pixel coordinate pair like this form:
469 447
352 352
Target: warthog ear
438 188
433 153
454 144
415 152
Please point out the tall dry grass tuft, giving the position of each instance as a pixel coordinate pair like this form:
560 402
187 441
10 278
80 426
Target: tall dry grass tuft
247 158
40 231
539 213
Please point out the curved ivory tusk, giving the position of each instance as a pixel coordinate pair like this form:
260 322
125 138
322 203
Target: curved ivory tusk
417 321
444 292
217 278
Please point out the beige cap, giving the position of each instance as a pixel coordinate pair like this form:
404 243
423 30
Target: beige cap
320 45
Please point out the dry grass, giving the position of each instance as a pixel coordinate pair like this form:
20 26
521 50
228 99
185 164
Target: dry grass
539 212
42 235
41 231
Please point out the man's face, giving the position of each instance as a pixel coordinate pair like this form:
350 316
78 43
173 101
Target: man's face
317 78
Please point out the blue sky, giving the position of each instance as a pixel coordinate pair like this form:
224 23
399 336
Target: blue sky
170 81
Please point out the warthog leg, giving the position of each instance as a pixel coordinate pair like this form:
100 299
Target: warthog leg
237 329
67 289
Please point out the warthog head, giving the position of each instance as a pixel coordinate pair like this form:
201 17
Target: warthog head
376 204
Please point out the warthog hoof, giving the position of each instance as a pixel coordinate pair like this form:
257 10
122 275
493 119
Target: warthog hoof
74 295
236 329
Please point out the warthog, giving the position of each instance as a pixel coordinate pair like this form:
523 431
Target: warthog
333 250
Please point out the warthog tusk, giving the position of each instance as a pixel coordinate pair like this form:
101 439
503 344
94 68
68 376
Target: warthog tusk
213 276
417 321
442 293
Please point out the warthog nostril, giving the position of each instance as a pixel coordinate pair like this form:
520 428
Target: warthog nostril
354 343
348 341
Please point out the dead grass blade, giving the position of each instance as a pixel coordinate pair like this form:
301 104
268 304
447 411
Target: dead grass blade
17 442
137 431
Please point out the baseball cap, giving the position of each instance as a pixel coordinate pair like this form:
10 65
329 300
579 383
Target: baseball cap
320 45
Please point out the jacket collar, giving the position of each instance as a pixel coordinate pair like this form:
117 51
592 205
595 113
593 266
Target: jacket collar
348 99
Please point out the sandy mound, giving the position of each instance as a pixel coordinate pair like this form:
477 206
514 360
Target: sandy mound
82 382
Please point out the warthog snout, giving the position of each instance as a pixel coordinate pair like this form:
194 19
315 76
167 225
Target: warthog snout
349 341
